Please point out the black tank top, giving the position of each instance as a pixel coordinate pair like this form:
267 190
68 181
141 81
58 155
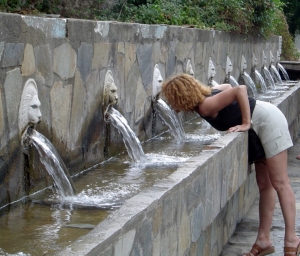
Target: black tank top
229 116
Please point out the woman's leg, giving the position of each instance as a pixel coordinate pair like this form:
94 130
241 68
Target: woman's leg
267 202
277 166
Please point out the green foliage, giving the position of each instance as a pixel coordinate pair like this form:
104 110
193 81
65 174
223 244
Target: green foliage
289 51
292 12
249 17
29 6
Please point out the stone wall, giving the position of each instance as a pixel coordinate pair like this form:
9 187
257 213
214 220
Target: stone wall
69 58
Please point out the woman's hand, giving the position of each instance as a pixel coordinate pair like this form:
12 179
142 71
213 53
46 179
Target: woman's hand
239 128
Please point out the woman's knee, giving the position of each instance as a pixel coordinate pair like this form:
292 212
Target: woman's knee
280 184
264 185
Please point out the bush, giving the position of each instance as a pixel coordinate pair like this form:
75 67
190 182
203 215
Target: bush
250 17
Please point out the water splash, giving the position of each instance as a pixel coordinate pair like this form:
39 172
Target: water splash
131 142
159 160
250 84
283 71
53 164
206 138
170 117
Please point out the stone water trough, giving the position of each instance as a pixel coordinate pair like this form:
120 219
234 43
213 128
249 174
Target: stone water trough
195 210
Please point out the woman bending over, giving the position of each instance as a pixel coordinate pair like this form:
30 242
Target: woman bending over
227 108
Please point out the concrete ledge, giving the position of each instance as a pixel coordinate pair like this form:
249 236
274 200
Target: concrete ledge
291 65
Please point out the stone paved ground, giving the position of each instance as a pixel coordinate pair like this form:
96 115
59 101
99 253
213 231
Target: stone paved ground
246 231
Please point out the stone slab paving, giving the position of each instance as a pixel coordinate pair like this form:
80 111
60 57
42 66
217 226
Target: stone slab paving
245 234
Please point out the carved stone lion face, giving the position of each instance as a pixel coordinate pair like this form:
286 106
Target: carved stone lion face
264 58
110 96
111 91
229 67
254 61
278 56
157 82
34 112
271 57
189 68
29 111
243 63
211 69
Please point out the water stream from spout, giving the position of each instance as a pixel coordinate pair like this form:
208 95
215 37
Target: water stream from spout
131 142
284 72
267 94
171 119
250 84
270 81
261 81
53 164
268 78
233 82
214 83
275 74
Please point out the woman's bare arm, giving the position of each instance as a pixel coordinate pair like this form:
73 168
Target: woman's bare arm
222 87
212 105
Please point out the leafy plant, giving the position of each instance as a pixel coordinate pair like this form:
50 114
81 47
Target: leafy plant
257 17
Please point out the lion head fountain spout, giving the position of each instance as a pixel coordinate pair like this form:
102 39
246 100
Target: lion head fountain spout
117 120
228 70
110 96
29 111
29 116
161 108
247 79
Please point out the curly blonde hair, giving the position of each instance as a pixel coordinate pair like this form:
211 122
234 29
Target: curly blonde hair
183 92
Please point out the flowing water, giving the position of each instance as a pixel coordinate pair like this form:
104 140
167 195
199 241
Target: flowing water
53 164
214 83
45 225
270 81
131 142
284 85
267 94
283 71
250 84
170 118
268 78
275 74
233 82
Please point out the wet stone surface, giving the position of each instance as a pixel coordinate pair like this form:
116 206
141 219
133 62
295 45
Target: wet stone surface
246 231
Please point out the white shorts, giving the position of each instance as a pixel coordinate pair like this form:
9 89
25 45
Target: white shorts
271 127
